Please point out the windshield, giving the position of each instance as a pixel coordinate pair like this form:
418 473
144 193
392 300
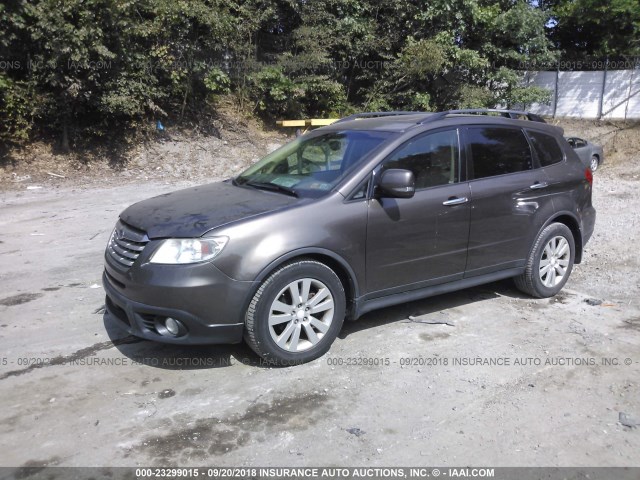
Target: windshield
311 166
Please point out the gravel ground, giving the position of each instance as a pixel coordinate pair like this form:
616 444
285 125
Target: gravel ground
408 385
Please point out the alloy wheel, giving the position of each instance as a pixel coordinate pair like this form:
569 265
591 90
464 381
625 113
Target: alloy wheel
301 315
554 261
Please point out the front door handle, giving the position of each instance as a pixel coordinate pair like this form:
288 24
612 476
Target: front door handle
539 185
455 201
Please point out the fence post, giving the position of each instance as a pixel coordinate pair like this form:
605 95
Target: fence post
555 92
528 77
626 107
604 84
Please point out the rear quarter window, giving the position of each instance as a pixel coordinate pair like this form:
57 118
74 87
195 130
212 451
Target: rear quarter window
546 148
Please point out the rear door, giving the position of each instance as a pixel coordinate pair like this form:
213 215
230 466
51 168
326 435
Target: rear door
566 176
422 240
508 194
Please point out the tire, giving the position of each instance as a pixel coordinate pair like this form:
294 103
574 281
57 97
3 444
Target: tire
595 163
304 329
554 245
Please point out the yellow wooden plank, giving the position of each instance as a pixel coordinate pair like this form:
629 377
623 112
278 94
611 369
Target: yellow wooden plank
313 122
291 123
320 122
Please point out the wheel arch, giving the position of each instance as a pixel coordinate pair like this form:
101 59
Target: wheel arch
571 222
335 262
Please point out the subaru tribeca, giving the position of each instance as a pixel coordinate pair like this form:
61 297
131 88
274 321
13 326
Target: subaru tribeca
374 210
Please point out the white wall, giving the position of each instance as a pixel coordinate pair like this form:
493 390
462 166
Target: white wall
546 80
580 94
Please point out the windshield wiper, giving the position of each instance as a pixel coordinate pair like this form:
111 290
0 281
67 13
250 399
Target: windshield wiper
272 187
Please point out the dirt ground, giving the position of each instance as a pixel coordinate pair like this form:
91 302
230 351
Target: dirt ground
408 385
228 147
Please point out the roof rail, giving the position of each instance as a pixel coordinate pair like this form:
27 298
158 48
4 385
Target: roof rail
356 116
433 116
481 111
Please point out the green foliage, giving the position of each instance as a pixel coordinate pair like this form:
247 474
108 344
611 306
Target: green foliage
420 101
86 67
509 90
322 97
473 96
275 91
420 58
525 96
217 82
277 95
595 28
17 108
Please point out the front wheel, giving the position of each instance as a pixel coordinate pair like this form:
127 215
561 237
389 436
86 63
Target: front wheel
296 314
550 262
595 163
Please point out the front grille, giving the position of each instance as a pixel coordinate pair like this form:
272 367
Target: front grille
125 244
112 280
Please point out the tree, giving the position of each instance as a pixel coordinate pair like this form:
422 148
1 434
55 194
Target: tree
71 55
85 68
597 28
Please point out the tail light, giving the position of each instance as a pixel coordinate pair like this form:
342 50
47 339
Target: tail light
588 175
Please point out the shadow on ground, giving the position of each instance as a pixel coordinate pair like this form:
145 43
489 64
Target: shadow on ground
432 305
198 357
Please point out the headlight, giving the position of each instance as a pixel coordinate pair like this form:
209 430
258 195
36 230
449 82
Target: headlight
188 250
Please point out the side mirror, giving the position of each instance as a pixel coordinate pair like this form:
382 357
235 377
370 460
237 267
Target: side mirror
397 183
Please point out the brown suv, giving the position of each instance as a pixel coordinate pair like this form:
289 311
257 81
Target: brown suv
374 210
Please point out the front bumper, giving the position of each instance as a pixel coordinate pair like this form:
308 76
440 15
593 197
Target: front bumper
209 305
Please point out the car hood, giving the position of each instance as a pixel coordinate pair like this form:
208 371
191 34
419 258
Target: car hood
194 211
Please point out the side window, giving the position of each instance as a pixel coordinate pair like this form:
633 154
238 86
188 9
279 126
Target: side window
433 158
546 147
498 151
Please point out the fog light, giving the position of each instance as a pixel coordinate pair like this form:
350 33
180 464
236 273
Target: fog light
172 326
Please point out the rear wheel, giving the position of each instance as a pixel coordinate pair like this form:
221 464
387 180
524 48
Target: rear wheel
595 163
550 262
296 314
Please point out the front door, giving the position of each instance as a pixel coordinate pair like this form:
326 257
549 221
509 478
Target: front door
420 241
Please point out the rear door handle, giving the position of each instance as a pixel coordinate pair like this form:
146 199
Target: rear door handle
539 185
455 201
